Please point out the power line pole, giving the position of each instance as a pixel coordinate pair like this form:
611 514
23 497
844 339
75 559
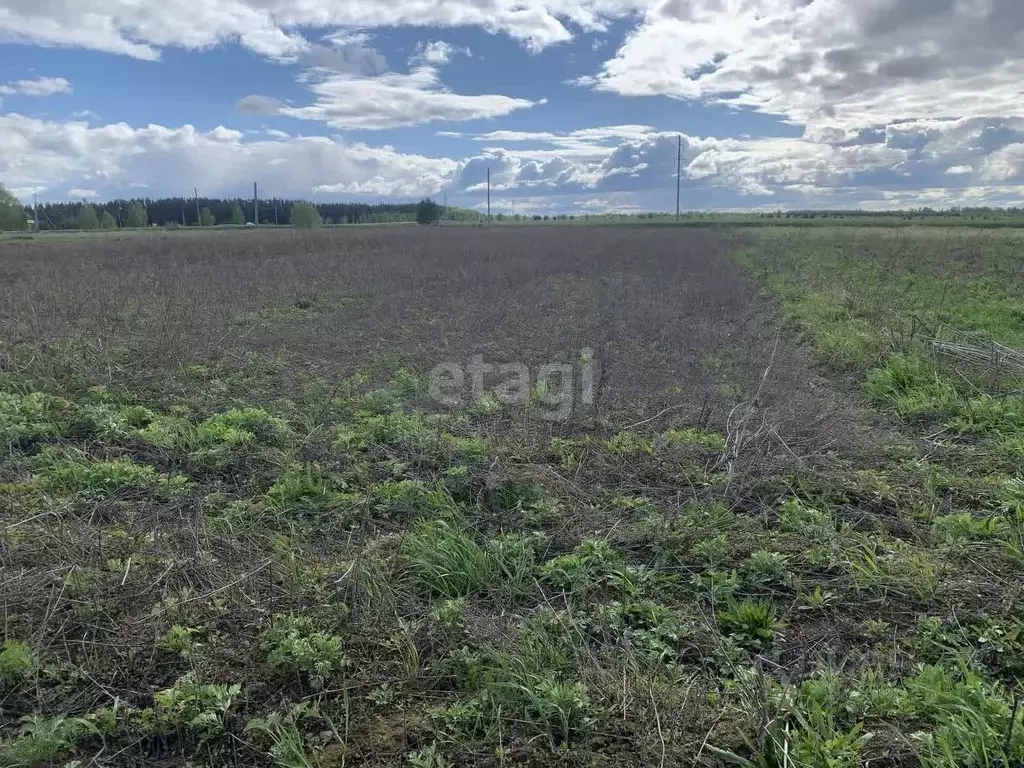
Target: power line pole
183 212
255 205
488 193
199 216
35 210
679 171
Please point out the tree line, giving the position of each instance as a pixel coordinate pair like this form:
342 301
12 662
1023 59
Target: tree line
207 211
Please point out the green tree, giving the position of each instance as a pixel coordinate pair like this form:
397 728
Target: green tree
305 215
428 212
136 216
87 218
206 218
12 212
107 221
236 215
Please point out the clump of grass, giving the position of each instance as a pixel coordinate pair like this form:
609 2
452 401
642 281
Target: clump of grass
81 473
914 388
973 722
288 747
964 527
442 560
629 443
689 438
300 487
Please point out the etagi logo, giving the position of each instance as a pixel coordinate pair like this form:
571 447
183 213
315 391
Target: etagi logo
552 387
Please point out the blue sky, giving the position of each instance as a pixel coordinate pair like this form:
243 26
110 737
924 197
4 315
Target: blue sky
574 105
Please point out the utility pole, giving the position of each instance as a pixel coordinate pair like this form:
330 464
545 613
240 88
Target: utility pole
276 223
679 171
255 205
199 217
183 212
35 210
488 193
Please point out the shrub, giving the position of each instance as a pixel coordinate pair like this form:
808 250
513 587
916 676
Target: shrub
428 212
304 215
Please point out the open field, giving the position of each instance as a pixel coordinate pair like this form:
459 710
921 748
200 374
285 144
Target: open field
759 501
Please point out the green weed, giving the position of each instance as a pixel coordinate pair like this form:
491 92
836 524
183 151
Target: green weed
192 708
18 663
294 647
43 740
81 473
751 623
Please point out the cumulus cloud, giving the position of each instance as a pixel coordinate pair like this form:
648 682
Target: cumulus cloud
82 194
623 165
394 99
49 157
274 28
436 53
636 157
1006 164
829 64
40 86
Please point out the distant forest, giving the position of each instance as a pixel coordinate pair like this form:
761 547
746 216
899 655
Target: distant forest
208 211
188 212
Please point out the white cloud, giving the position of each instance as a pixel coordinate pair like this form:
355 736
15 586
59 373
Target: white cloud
254 104
274 28
841 64
636 157
1006 164
50 157
436 53
394 99
624 166
40 86
959 170
82 194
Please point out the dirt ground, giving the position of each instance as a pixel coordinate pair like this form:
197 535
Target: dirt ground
670 321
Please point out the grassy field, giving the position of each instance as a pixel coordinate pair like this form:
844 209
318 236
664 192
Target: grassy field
755 498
